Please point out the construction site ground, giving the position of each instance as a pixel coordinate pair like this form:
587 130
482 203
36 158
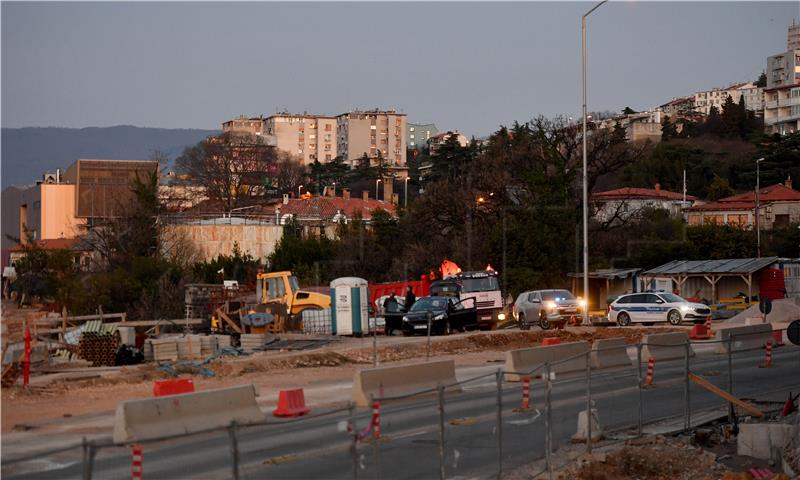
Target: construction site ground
63 391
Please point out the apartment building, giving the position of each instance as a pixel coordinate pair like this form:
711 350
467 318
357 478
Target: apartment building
753 97
783 69
679 107
793 36
437 140
418 134
308 137
370 132
782 110
242 124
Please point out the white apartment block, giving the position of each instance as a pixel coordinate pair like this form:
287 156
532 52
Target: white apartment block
370 132
782 110
783 69
753 97
307 137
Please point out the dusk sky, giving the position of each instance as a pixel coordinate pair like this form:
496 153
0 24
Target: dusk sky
465 66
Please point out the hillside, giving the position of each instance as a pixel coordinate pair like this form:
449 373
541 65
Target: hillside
29 152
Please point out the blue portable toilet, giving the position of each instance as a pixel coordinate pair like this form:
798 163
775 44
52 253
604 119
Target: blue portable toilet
349 306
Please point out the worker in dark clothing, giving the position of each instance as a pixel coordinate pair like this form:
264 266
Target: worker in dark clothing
410 298
390 304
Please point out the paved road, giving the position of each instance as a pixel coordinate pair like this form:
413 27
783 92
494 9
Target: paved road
316 448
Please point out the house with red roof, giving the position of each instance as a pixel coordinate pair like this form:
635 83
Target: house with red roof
330 210
623 204
779 206
80 250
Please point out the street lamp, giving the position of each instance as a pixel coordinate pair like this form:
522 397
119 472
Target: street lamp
758 206
405 193
298 191
585 193
376 188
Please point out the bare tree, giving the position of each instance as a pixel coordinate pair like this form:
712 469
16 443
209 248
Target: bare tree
232 167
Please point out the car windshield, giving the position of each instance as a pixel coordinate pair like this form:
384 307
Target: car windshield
429 303
557 295
484 284
671 298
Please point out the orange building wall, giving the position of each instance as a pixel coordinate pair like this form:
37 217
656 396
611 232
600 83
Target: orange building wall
58 212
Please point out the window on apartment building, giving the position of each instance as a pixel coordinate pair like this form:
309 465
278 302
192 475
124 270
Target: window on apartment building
373 127
411 143
328 127
411 129
327 146
312 136
328 156
300 151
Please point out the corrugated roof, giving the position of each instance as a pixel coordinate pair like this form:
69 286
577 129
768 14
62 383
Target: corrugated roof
699 267
609 273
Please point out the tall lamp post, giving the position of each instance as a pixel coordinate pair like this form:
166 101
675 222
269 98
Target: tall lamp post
376 188
585 193
758 206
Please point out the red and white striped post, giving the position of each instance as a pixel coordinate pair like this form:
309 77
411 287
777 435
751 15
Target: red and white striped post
709 332
136 463
376 419
526 392
651 366
768 354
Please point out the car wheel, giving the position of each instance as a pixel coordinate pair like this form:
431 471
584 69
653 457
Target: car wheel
623 319
544 322
522 324
674 317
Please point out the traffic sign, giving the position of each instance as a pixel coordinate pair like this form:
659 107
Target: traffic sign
765 306
793 332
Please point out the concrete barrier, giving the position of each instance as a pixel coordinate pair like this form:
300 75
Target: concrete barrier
610 352
151 418
662 346
748 337
400 380
526 359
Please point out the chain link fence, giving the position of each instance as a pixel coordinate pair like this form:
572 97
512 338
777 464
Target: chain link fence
481 425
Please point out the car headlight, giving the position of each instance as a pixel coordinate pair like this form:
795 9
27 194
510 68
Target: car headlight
685 308
582 303
550 305
405 319
439 317
501 316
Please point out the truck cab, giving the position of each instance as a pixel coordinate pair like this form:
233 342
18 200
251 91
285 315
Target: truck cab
283 288
484 287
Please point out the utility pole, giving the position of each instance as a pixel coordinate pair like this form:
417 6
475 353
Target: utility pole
758 206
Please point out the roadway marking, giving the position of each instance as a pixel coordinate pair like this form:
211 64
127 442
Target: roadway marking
409 435
526 421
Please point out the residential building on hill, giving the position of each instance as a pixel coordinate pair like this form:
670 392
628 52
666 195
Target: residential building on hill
623 204
242 124
638 126
753 97
783 69
308 137
793 36
371 132
679 107
779 207
418 134
437 140
782 109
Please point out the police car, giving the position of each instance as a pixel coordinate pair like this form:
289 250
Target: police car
655 307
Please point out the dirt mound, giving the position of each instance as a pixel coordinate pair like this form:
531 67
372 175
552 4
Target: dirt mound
652 458
783 310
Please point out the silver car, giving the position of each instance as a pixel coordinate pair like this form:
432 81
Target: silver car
545 308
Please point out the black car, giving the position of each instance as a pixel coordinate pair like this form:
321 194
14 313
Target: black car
448 314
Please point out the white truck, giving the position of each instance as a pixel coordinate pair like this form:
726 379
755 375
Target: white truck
484 287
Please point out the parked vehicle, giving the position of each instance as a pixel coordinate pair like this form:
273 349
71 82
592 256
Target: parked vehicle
448 314
655 307
546 308
484 287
